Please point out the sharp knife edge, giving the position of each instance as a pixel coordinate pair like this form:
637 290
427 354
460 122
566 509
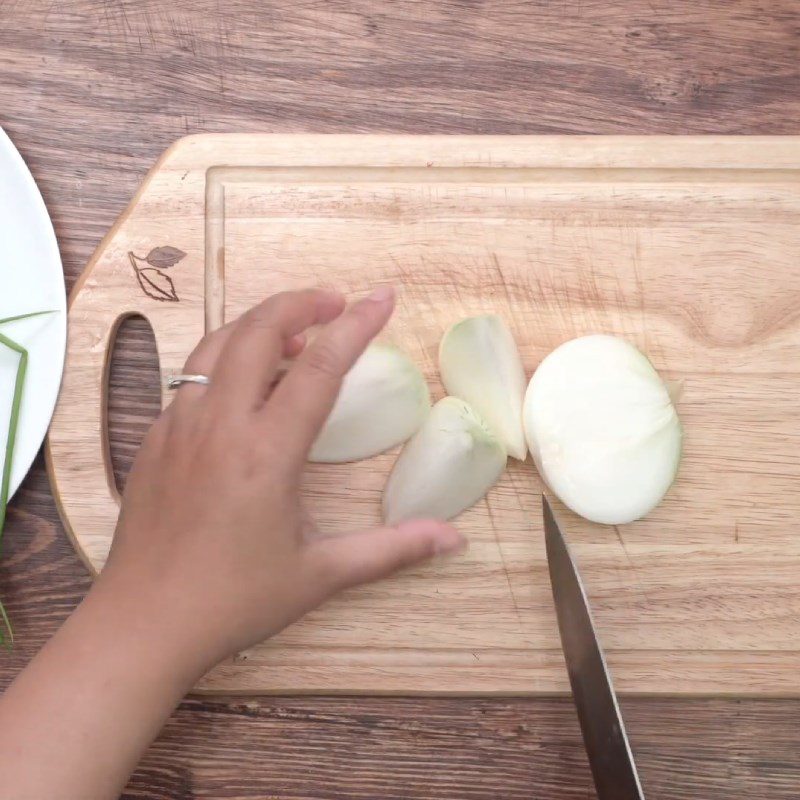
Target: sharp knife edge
604 735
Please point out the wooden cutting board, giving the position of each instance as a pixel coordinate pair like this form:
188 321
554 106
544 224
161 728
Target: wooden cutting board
689 247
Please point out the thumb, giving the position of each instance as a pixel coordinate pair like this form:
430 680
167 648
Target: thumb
369 555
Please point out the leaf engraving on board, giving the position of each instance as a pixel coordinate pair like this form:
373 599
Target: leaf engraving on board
154 282
157 284
164 257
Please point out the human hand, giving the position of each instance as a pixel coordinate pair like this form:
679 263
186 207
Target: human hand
212 551
212 545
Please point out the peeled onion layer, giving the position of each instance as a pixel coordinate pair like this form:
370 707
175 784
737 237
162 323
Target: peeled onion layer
602 429
480 363
383 401
449 464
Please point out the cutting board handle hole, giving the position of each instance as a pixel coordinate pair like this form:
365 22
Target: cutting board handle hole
133 393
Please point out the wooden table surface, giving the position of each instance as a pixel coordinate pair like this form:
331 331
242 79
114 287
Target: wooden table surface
92 91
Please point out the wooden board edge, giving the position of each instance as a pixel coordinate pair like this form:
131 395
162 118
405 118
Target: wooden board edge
221 693
96 256
519 150
541 677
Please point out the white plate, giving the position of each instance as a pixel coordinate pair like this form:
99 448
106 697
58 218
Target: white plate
31 279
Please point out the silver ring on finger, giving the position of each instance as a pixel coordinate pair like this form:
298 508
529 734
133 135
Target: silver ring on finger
176 380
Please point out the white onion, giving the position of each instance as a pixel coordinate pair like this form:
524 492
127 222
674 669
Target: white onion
383 401
449 464
602 429
480 363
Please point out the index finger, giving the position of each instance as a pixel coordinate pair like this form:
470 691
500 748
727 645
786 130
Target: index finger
250 356
302 401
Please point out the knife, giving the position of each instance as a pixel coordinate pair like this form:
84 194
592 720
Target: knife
604 736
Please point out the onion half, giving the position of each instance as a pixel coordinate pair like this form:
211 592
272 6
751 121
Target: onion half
602 429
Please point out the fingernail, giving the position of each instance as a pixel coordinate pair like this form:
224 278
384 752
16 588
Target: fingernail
449 542
381 294
446 538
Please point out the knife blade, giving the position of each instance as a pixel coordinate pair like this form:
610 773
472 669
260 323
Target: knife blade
604 736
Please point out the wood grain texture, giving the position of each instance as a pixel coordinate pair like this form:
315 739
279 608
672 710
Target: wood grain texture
93 90
685 245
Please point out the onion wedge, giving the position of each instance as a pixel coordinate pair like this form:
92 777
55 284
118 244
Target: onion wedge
449 464
480 363
383 401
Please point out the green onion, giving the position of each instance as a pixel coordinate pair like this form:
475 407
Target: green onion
6 631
